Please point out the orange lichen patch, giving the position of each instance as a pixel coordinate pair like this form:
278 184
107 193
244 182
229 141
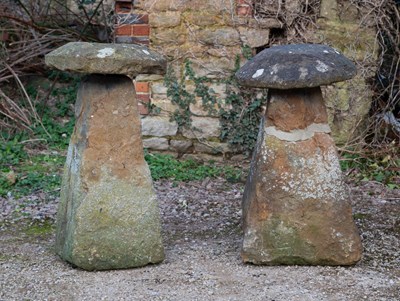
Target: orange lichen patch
295 207
324 142
263 211
275 155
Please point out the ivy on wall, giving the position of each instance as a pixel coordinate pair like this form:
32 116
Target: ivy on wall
239 112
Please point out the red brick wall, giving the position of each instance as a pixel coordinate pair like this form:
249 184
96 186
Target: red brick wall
143 96
244 8
131 27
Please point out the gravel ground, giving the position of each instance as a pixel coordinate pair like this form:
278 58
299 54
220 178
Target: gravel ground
201 225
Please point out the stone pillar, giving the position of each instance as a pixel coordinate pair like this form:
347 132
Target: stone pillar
296 209
108 215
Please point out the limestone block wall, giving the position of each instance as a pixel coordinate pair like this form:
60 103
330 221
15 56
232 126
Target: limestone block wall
351 30
211 34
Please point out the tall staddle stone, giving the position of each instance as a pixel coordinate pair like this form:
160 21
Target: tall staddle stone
108 216
296 208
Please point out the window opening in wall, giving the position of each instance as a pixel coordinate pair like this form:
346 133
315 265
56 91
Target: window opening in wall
277 36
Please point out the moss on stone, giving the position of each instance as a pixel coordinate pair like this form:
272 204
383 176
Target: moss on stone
37 229
286 244
348 103
108 215
116 225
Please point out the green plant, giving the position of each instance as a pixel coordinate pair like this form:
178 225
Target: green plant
367 165
22 174
66 95
167 167
5 185
11 152
181 98
240 124
32 174
239 112
40 228
59 132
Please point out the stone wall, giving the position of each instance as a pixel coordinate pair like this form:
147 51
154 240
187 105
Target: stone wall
352 31
211 34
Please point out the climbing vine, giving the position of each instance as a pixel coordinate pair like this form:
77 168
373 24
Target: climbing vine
239 113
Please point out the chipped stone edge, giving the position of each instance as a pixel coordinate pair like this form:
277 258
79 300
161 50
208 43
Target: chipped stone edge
298 135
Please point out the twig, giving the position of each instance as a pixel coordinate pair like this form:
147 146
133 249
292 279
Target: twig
32 140
89 22
35 116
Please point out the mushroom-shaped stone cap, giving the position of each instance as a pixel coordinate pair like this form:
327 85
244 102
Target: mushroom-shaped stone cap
296 66
127 59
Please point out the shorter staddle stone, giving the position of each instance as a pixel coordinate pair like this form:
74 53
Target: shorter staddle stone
296 208
108 216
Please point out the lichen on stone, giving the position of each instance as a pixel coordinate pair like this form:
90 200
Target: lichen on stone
102 53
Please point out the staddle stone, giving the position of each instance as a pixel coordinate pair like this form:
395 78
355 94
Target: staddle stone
127 59
108 216
296 208
296 66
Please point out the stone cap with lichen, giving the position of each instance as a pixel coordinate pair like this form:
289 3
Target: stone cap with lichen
126 59
296 66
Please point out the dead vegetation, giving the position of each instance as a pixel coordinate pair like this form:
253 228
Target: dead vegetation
298 18
385 111
30 29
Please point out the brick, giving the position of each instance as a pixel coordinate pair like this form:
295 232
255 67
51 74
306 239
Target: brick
143 98
124 30
123 7
143 109
244 11
133 19
140 30
142 87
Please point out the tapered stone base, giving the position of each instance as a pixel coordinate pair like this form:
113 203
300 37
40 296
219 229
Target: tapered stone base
108 216
296 208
